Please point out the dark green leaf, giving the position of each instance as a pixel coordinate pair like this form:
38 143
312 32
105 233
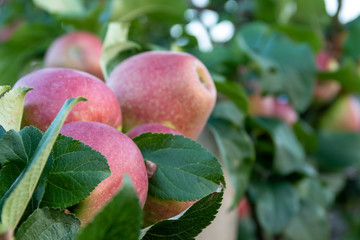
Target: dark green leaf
75 172
2 133
310 223
274 11
46 224
351 44
276 203
16 149
186 171
16 199
303 34
312 189
286 67
289 154
338 150
121 218
306 135
234 92
236 149
188 224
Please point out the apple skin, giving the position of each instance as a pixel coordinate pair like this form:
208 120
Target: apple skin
123 157
157 209
272 107
77 50
243 208
343 115
169 88
52 86
324 91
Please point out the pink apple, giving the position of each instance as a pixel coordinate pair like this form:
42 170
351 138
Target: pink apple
78 50
169 88
123 157
272 107
343 115
157 209
326 90
52 86
243 208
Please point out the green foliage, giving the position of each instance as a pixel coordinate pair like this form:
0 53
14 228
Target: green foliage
45 223
121 218
179 161
351 42
235 146
15 200
286 67
188 224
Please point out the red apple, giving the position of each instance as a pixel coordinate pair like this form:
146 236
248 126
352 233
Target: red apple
243 208
157 209
78 50
169 88
343 115
326 90
52 86
123 157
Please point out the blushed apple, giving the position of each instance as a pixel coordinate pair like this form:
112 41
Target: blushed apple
169 88
52 86
326 90
343 115
157 209
272 107
123 157
77 50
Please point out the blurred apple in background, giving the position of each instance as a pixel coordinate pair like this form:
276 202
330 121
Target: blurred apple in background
157 209
52 86
77 50
7 31
169 88
343 115
326 90
123 157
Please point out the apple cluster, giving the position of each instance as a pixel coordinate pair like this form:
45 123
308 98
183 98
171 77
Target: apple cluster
158 91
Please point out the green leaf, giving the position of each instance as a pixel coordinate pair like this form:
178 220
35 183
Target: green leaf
351 48
275 203
275 11
20 193
2 132
186 171
27 43
346 75
121 218
312 189
286 67
306 135
12 108
234 92
303 34
338 150
188 224
115 42
16 149
125 11
311 13
76 170
236 150
62 7
311 223
47 223
289 154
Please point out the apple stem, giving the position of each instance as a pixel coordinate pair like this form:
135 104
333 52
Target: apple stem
151 168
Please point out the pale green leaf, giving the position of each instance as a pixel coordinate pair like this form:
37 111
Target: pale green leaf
62 7
12 107
114 43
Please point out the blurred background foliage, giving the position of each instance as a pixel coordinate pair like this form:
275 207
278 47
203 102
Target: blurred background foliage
287 120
